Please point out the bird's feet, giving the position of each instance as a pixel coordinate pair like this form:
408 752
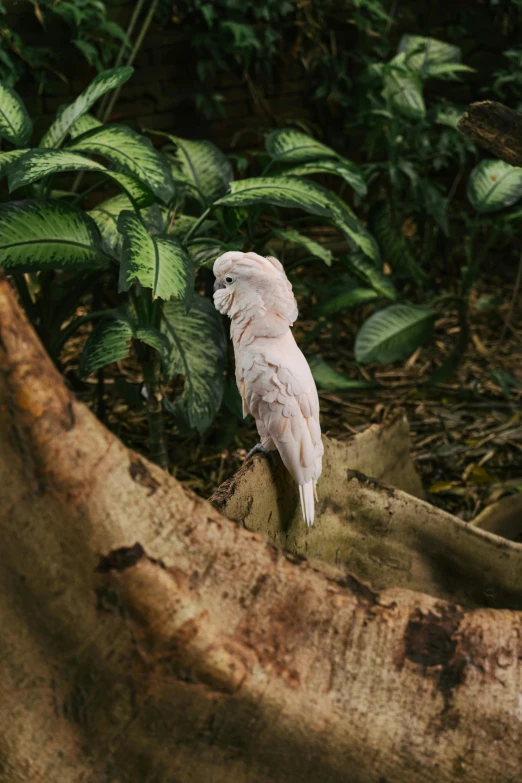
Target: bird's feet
260 449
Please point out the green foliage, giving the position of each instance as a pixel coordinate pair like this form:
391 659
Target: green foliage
394 333
84 24
177 209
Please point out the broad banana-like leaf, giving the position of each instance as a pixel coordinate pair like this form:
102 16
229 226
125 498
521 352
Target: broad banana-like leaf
157 262
201 165
198 348
493 185
132 154
102 83
292 146
46 235
365 270
314 248
328 378
349 172
15 123
302 194
38 163
394 333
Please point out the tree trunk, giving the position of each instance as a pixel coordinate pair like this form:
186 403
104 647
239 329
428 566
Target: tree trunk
147 639
496 128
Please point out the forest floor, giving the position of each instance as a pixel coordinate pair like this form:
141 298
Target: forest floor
466 434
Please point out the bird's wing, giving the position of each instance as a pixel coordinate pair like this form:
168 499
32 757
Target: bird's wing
285 401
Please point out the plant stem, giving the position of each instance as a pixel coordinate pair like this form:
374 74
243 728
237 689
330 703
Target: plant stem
157 436
195 226
129 32
139 40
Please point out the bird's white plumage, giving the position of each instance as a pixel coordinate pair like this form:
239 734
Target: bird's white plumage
273 377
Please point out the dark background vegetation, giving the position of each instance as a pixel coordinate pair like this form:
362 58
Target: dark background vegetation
232 71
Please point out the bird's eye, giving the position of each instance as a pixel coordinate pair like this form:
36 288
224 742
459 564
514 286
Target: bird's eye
229 279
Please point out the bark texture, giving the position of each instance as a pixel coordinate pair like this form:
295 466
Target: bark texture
147 639
496 128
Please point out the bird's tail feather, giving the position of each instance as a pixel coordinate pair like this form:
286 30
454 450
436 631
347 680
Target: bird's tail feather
306 493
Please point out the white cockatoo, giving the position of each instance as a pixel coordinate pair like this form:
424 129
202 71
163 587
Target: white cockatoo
272 375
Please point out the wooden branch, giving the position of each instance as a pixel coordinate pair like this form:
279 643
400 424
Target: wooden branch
145 637
496 128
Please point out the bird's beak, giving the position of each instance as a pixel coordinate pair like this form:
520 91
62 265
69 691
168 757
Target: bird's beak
218 286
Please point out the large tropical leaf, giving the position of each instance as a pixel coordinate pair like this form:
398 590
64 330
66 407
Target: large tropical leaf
84 124
292 146
37 163
197 351
328 378
132 154
102 83
314 248
110 341
157 262
6 158
106 215
493 185
368 272
421 52
201 165
301 194
15 123
46 235
393 333
349 172
403 91
345 300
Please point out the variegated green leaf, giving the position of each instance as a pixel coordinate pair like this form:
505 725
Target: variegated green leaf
15 123
349 172
46 235
493 185
291 146
84 124
157 262
132 154
364 270
403 91
421 52
394 333
345 300
205 250
301 194
102 83
314 248
201 165
109 342
197 351
38 163
6 158
328 378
